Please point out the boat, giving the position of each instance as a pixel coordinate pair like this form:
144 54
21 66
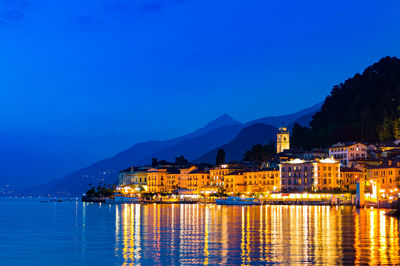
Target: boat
121 199
237 201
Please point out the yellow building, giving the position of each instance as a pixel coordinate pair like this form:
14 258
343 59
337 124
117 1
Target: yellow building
386 177
234 182
157 180
328 175
263 180
199 180
253 181
184 181
282 140
349 177
173 179
217 174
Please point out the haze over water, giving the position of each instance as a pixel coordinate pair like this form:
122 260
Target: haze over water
75 233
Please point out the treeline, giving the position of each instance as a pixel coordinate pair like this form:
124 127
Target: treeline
260 153
365 107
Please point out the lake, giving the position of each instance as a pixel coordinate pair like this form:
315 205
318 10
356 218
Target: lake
76 233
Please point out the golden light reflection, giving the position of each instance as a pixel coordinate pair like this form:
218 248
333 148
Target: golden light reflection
206 253
202 234
376 237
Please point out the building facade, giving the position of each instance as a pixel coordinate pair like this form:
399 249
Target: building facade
318 175
345 153
134 176
253 181
349 178
157 180
199 180
386 176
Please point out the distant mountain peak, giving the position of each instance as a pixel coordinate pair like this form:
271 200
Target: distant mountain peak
223 120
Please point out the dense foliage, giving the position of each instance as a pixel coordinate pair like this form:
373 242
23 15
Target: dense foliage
220 157
100 191
260 153
181 160
365 107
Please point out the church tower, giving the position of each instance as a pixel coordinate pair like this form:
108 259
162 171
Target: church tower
282 141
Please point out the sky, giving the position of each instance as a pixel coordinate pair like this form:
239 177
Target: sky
105 74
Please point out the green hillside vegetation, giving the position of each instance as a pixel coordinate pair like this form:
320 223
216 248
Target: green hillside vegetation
365 107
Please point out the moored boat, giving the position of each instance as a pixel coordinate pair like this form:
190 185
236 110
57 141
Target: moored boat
121 199
237 201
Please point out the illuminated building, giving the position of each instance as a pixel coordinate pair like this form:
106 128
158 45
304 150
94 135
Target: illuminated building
136 176
347 152
199 180
157 180
217 174
253 181
173 178
300 175
386 178
184 181
282 140
349 177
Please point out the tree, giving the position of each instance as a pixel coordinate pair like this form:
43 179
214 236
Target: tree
385 130
260 153
396 128
181 160
363 107
154 162
220 157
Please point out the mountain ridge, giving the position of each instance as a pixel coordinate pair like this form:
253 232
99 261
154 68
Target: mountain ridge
219 132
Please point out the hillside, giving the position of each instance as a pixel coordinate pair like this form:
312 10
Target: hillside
357 109
215 133
302 117
247 137
205 141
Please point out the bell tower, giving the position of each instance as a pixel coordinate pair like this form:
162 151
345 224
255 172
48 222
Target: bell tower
282 140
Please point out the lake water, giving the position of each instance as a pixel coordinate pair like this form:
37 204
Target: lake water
75 233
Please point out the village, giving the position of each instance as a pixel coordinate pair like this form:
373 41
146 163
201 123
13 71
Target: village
353 173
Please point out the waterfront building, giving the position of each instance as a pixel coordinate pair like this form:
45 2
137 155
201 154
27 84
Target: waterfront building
234 182
184 181
349 178
282 140
157 180
199 180
316 175
345 152
173 179
262 180
253 181
218 173
386 177
134 176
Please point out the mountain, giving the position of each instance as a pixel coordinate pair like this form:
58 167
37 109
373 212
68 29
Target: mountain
194 147
302 116
247 137
215 133
365 107
203 143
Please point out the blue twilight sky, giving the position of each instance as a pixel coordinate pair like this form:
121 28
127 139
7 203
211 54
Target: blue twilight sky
114 72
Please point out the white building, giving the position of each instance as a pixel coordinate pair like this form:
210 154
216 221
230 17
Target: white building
345 152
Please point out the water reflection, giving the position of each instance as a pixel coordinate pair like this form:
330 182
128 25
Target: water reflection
207 234
376 238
